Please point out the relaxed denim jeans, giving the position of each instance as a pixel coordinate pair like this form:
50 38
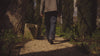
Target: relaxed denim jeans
50 22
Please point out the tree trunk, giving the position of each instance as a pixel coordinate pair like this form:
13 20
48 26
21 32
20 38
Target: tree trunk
12 15
16 14
67 14
87 14
38 18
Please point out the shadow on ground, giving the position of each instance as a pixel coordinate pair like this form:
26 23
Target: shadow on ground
71 51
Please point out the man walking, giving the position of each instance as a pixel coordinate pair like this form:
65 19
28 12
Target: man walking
51 8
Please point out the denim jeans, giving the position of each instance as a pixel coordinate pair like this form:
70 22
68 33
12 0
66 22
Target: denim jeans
50 23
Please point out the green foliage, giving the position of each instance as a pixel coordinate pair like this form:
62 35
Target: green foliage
93 48
43 27
58 30
91 44
9 38
96 43
96 34
43 31
71 33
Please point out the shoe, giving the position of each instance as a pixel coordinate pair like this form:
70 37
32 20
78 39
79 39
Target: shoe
50 41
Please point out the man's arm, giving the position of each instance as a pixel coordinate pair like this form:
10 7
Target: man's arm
42 7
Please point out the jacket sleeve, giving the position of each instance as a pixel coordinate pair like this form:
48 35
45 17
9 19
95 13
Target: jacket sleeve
42 7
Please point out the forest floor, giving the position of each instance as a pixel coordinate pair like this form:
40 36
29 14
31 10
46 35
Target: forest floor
60 47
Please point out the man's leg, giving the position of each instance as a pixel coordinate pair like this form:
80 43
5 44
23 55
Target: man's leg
53 20
50 21
47 24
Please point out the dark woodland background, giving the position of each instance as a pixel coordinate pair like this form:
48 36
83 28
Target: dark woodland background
20 20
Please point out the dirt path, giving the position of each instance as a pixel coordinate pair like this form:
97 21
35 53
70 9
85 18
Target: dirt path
43 48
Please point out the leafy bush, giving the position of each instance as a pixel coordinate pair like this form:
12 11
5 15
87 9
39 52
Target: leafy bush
71 33
8 40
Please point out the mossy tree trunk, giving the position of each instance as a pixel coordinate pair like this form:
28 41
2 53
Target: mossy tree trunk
28 7
14 14
11 16
67 14
38 18
87 14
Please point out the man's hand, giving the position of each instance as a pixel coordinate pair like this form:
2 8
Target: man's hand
59 14
41 15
